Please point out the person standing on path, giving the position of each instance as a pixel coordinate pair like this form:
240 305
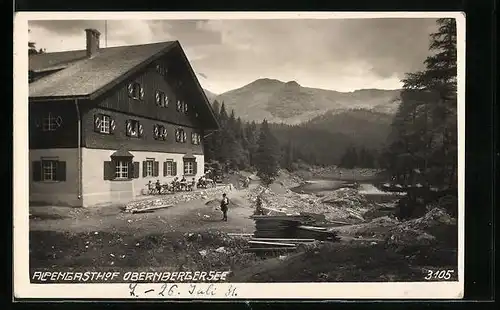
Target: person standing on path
224 206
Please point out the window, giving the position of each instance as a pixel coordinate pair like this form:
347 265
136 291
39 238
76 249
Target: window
161 69
180 135
150 168
121 169
169 168
185 108
134 128
104 124
189 167
179 105
51 122
49 170
135 91
161 99
195 138
160 132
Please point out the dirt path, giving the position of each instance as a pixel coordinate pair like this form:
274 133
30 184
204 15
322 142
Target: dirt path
192 216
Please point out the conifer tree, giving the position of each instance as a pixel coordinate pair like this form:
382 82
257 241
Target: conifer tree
424 135
267 155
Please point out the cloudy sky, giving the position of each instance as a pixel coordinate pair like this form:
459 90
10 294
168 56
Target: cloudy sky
337 54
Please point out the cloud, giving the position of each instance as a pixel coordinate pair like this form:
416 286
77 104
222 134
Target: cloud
342 54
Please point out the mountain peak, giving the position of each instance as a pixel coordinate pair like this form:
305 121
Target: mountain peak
264 81
292 84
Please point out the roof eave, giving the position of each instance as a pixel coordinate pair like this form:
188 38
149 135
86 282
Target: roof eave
58 98
200 89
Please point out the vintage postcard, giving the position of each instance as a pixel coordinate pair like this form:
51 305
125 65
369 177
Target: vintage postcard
239 155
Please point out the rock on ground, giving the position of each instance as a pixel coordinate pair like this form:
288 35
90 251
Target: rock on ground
173 199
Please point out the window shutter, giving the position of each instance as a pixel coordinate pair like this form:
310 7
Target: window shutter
130 89
37 171
135 169
195 167
109 171
141 130
128 128
112 126
141 94
184 136
165 134
144 169
156 168
157 97
174 168
156 132
165 168
97 123
61 171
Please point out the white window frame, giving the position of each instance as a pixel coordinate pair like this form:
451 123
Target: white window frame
51 122
49 172
170 167
121 169
149 167
189 167
105 124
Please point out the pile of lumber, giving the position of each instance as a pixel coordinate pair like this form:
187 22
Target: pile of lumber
317 233
290 227
263 245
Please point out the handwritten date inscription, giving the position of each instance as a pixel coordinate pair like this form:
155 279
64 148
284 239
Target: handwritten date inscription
181 290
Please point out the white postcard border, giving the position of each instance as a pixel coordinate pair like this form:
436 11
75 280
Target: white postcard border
387 290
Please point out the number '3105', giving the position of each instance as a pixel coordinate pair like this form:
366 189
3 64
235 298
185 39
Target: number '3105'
439 274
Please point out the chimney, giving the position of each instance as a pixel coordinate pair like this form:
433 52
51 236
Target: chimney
92 42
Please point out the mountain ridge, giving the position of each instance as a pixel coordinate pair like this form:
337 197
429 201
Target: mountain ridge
291 103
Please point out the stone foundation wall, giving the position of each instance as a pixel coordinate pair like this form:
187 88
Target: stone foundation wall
173 199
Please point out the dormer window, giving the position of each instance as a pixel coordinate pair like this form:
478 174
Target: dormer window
135 91
161 99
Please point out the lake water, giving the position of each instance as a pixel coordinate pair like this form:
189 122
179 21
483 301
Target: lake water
322 187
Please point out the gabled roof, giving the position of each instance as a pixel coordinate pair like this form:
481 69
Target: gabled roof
80 77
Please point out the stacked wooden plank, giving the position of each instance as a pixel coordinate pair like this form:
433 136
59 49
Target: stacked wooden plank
267 245
317 233
286 232
278 226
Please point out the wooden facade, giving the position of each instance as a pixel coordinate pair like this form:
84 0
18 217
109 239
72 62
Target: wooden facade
149 123
177 110
53 125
